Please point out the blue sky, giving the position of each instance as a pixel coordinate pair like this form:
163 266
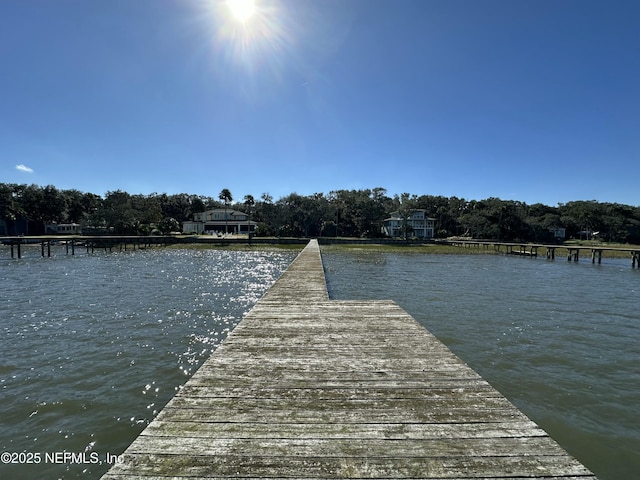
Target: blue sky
536 101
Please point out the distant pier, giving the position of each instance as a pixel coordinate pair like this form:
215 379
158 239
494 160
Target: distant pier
123 242
531 249
90 243
306 387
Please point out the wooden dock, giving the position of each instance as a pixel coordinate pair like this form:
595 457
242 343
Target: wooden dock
306 387
531 249
91 243
120 242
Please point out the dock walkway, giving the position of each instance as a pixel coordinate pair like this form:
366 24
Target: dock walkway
306 387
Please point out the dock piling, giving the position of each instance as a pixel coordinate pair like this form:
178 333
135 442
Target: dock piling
596 252
574 253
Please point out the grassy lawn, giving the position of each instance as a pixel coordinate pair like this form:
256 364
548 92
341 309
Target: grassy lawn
411 248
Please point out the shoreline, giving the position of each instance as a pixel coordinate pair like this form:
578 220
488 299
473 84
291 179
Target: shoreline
331 244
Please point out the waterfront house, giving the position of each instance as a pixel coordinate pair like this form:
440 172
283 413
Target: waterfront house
559 233
63 229
417 222
219 220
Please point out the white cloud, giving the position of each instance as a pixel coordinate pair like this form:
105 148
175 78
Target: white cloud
24 168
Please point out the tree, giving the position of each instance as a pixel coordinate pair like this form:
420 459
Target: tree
6 202
249 202
53 205
354 213
225 196
146 209
197 205
168 225
117 212
30 198
581 217
24 209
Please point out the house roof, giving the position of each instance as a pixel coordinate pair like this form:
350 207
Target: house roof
219 222
230 222
229 211
396 216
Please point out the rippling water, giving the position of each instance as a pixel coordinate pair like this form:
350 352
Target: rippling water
93 346
560 340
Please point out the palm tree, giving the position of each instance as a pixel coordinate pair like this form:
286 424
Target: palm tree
225 196
249 202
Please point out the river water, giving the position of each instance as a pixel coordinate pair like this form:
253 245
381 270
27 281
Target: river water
561 340
92 346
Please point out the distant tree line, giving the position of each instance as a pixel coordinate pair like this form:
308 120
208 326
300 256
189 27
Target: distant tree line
119 212
347 213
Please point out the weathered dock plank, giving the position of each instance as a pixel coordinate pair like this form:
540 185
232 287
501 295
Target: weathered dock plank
347 431
306 387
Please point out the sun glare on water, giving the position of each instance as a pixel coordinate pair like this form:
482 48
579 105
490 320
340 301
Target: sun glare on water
242 10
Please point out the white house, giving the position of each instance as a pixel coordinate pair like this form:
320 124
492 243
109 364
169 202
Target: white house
420 225
63 229
219 220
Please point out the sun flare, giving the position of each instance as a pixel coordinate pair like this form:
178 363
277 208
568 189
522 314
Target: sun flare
250 32
242 10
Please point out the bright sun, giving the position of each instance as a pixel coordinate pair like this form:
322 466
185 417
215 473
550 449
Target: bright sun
242 10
